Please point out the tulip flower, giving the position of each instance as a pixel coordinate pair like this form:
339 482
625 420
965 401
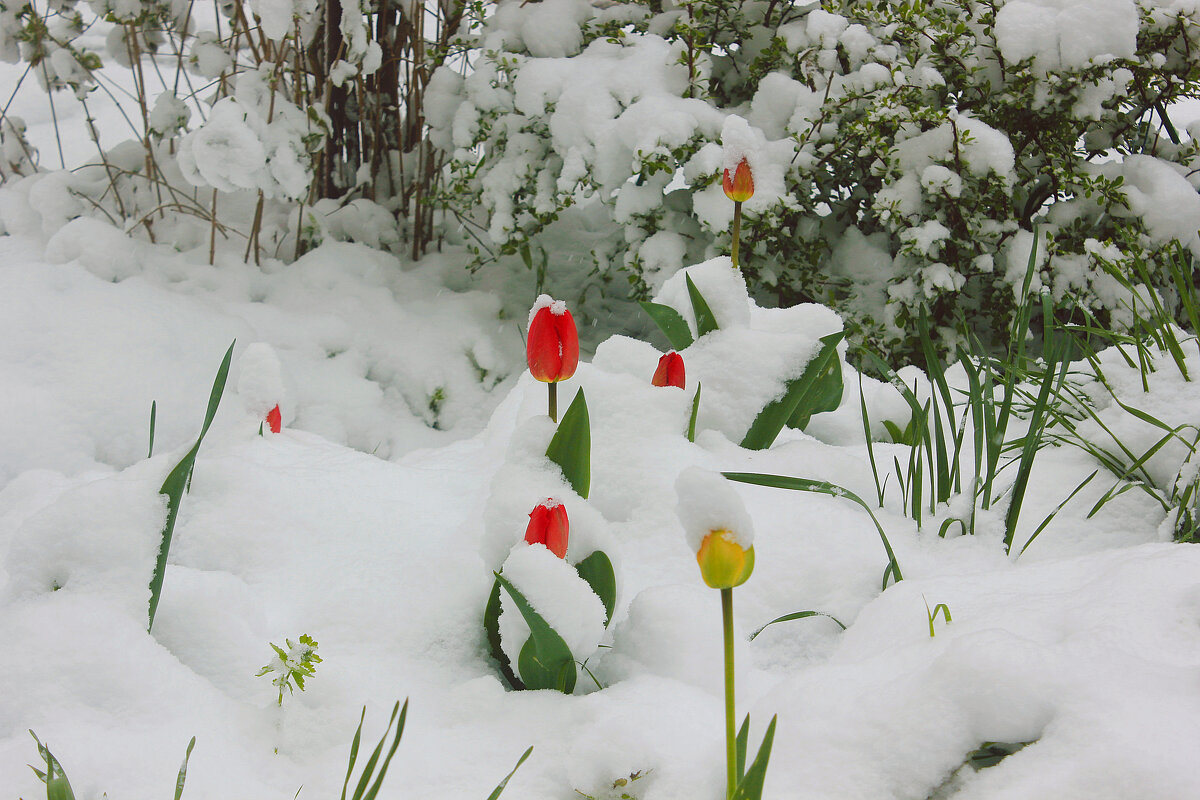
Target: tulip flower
275 419
670 371
552 345
740 187
548 525
719 530
724 562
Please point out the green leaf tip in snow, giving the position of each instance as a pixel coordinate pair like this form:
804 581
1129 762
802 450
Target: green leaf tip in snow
177 482
500 786
706 321
571 447
597 571
811 393
670 322
545 661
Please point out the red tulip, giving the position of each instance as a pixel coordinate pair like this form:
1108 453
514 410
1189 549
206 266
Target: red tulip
275 420
548 525
670 371
552 348
740 187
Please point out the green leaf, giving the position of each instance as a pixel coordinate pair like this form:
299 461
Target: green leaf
751 786
545 661
691 431
671 323
383 768
57 785
990 754
354 751
797 615
500 786
597 571
800 395
182 776
741 743
706 321
822 487
571 447
491 626
177 482
825 391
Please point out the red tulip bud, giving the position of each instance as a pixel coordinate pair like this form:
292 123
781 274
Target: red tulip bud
548 525
670 371
740 187
275 420
552 347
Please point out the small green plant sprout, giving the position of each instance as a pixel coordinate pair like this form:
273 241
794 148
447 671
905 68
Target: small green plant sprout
622 788
940 608
297 662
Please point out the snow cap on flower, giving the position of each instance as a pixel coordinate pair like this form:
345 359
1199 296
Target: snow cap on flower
260 380
707 503
738 145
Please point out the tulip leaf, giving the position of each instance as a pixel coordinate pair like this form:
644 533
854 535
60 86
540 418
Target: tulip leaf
750 787
177 483
670 322
825 391
802 396
823 487
545 661
706 322
571 447
597 571
491 626
691 431
742 742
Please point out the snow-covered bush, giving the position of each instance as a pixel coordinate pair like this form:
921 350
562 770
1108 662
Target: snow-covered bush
905 151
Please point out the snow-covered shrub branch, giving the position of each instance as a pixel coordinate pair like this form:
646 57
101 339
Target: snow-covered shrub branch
905 151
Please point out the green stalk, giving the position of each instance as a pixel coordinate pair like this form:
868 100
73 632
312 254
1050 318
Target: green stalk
730 735
553 404
737 231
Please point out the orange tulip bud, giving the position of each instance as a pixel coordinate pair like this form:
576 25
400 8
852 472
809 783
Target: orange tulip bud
740 187
723 562
548 525
275 419
670 371
552 346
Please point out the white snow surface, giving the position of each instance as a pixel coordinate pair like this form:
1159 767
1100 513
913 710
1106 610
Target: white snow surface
1087 644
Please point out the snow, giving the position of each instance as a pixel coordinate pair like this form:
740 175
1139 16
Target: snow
1065 34
1084 643
708 503
413 451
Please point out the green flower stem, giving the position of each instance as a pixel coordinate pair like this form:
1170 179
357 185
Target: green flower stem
730 734
553 405
737 231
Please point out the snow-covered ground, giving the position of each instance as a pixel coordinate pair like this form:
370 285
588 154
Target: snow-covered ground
377 535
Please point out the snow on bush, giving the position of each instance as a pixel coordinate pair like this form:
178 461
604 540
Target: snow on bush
924 137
